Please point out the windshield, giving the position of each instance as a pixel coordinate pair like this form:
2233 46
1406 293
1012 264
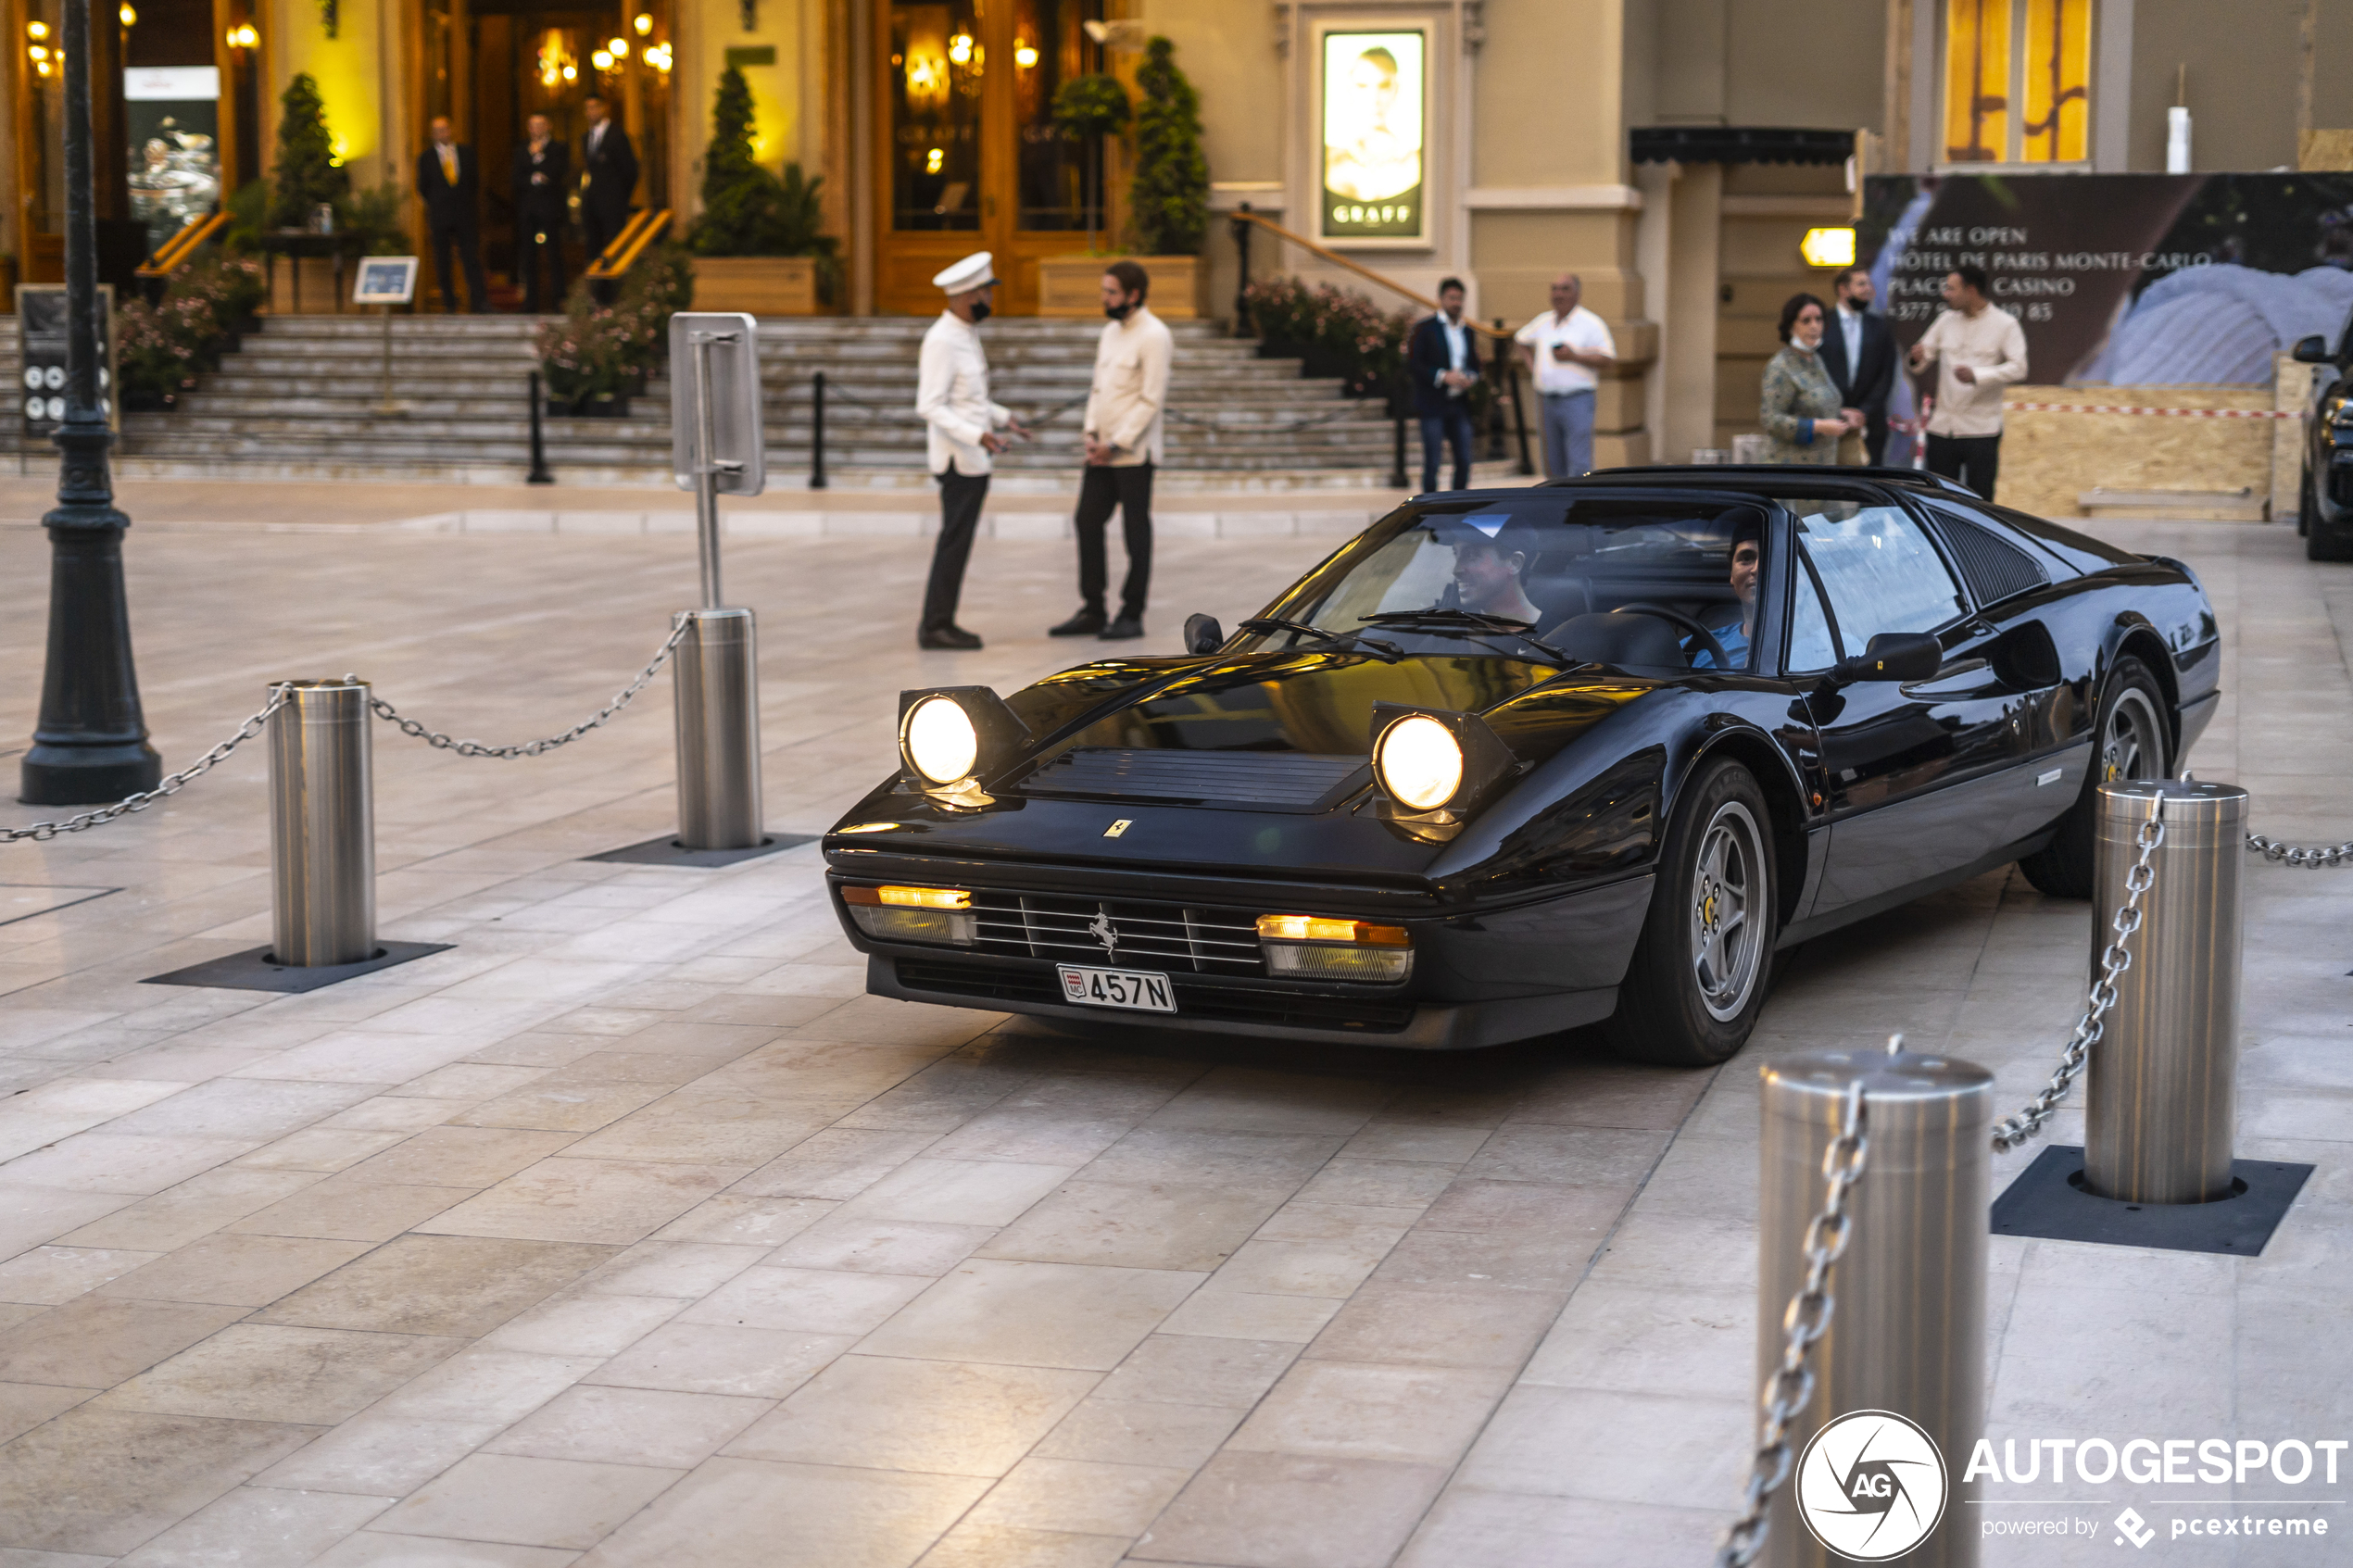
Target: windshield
1639 581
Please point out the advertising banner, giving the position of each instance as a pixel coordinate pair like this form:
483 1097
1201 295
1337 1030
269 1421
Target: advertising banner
2134 280
1373 153
174 121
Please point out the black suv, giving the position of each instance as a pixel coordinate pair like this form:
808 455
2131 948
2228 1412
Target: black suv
2325 503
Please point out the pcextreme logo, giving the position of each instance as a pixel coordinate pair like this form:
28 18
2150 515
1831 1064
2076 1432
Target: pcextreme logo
1872 1486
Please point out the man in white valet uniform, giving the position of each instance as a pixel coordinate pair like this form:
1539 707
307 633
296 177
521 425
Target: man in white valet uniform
952 396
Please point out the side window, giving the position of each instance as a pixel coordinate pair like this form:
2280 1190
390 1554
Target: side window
1811 646
1880 570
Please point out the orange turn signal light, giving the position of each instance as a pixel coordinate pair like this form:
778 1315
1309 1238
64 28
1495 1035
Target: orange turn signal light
1324 928
910 897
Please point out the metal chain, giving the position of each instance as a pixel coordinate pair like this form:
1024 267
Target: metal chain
2280 854
1791 1386
2012 1131
391 715
172 785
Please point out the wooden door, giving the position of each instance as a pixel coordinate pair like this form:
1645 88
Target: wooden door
969 156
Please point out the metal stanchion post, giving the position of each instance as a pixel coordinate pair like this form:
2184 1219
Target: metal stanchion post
2162 1100
1241 226
715 678
322 833
539 474
817 432
1908 1333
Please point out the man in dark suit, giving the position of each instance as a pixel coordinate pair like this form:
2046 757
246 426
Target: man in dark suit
542 182
1443 363
1859 352
451 187
608 177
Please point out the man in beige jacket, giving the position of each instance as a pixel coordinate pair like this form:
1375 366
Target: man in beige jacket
1978 350
1124 444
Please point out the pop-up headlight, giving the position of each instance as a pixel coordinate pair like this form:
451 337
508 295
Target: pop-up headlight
1426 760
953 736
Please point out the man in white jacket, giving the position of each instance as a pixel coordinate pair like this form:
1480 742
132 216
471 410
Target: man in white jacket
952 396
1124 423
1978 350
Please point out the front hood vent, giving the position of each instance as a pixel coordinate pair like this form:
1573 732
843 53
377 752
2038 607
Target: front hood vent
1243 781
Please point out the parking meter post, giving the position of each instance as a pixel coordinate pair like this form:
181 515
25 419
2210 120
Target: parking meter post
322 839
2162 1099
1908 1328
716 679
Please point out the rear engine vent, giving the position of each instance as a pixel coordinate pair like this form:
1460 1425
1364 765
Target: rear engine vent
1994 568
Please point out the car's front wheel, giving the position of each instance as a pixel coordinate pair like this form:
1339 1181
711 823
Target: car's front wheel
1699 973
2131 742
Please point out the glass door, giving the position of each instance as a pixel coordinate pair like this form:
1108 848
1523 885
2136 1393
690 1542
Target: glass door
971 158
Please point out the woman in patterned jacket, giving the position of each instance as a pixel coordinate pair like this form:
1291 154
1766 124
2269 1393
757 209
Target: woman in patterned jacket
1800 408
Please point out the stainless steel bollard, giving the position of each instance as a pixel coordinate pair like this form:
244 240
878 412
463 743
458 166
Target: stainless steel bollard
1908 1335
2162 1103
322 826
715 676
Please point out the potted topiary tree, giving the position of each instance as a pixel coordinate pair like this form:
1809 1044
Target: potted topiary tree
306 176
1169 202
758 239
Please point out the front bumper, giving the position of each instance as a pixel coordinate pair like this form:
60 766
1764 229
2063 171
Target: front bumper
1479 978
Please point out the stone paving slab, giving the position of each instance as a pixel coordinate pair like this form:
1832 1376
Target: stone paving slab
628 1231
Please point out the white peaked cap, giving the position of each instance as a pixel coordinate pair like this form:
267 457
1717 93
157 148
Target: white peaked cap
969 273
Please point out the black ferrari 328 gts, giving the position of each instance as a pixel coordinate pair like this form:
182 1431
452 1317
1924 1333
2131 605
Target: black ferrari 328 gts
1515 761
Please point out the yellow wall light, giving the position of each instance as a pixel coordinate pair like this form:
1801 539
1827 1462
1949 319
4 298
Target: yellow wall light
1828 247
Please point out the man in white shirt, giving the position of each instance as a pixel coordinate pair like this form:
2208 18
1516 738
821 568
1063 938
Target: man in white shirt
1123 428
1978 350
1565 347
951 397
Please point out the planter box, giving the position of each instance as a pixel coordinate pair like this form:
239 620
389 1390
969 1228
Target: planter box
601 406
1072 285
764 285
320 295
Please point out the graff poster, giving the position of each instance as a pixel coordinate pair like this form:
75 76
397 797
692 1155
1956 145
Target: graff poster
1373 142
2124 279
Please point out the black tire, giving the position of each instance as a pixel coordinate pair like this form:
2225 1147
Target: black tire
1719 853
2326 543
2129 741
2305 505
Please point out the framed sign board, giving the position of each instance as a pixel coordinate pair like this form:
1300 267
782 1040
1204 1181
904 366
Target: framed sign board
715 355
41 317
1372 152
386 280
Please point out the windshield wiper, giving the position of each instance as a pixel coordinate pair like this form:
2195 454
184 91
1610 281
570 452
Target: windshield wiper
1466 623
1387 652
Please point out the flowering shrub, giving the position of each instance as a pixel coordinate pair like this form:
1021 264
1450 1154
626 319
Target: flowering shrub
159 348
237 285
1344 327
608 349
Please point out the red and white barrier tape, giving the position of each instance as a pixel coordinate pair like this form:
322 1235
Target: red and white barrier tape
2173 413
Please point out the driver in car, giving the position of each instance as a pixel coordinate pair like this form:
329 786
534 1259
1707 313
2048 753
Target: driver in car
1738 622
1487 579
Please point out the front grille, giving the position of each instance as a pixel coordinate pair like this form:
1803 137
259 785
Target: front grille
1156 935
1194 999
1280 781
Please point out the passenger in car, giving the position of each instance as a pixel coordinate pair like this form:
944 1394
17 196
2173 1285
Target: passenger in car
1739 623
1487 574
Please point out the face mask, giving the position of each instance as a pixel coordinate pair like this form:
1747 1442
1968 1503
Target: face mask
1118 312
980 311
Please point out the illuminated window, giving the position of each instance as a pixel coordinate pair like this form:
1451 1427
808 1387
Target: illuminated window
2018 80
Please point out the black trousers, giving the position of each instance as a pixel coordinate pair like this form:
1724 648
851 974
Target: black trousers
1129 489
467 242
602 226
539 245
1452 428
961 495
1875 434
1972 459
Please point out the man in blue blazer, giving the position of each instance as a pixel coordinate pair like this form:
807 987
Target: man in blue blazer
1858 350
1443 363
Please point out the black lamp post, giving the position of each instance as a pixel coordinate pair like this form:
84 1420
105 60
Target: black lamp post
91 743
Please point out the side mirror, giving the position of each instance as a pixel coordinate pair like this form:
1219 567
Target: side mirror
2311 351
1895 656
1203 634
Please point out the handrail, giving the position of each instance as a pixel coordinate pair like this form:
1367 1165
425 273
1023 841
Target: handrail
1244 215
629 244
173 252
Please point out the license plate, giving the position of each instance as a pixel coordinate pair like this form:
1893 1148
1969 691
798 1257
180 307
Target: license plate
1140 990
